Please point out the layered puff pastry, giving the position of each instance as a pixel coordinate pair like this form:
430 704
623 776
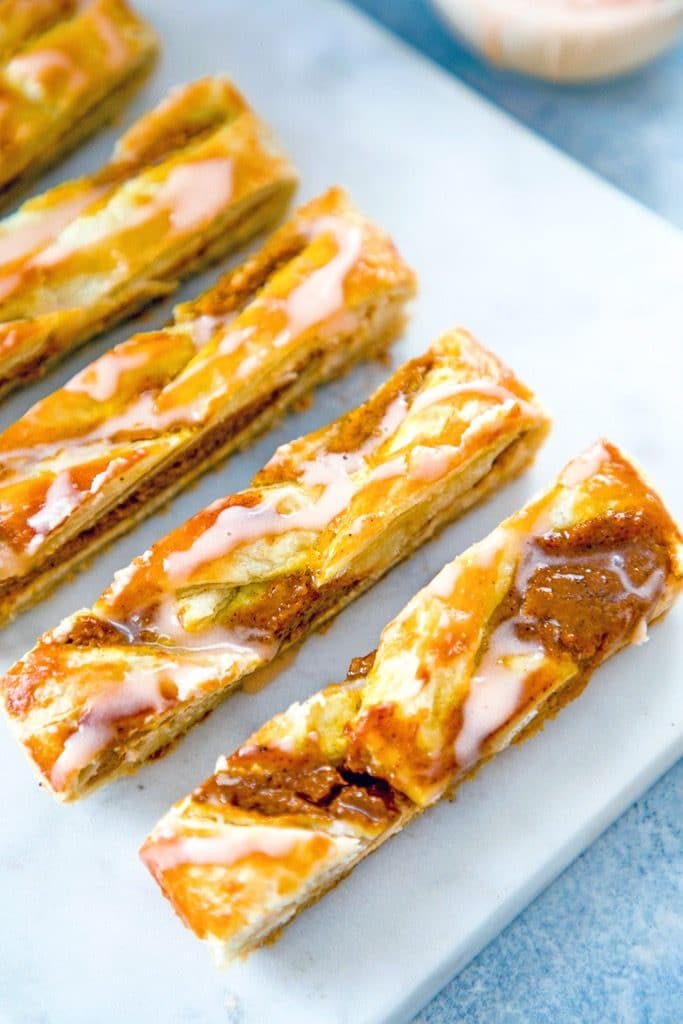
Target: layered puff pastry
497 642
255 572
191 180
140 422
66 67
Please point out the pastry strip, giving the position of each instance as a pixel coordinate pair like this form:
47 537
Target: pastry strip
495 644
131 429
190 181
66 68
256 572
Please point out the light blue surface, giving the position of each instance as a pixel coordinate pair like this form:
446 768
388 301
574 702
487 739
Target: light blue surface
605 942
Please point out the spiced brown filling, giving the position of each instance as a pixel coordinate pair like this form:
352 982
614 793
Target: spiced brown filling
322 789
582 591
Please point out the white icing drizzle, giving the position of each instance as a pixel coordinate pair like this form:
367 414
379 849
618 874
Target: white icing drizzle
61 499
8 283
237 524
205 326
192 194
450 388
640 635
585 466
234 338
249 365
394 416
233 843
248 650
36 228
117 51
431 463
321 293
496 690
100 380
195 193
389 470
444 582
139 692
139 415
27 71
112 468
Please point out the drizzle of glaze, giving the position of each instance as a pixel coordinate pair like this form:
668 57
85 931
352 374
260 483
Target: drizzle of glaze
192 194
31 70
100 380
140 691
38 227
428 464
195 193
321 293
205 326
61 499
640 635
450 388
8 284
117 51
234 338
444 582
388 470
496 689
249 364
234 843
585 466
248 649
238 524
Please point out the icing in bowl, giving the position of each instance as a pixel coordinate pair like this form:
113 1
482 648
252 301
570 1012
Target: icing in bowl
566 40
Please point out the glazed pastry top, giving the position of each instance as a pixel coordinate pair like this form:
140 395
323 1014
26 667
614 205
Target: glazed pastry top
220 595
509 630
227 351
58 58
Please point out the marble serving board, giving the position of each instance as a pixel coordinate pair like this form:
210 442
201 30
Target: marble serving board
581 291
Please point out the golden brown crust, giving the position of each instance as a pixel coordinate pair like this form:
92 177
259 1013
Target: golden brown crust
499 641
144 419
196 177
65 69
257 571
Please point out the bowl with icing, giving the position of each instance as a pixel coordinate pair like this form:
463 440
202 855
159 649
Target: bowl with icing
566 40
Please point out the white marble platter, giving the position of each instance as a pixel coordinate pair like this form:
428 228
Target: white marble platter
581 291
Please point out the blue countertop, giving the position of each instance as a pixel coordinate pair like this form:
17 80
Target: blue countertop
605 942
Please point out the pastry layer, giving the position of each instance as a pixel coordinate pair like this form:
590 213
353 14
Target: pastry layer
140 422
497 642
196 177
255 572
65 69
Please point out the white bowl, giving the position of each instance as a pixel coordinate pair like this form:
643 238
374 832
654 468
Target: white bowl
567 40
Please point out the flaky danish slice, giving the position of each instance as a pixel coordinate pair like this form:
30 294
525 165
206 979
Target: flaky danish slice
255 572
131 429
192 180
66 67
495 644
